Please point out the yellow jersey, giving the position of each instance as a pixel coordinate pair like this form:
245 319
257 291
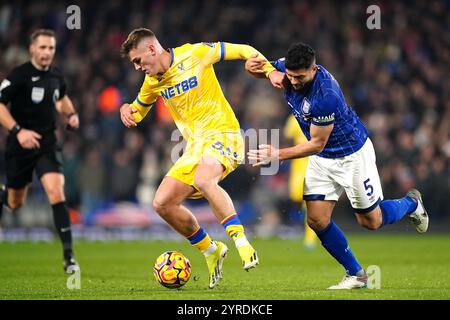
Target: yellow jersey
191 90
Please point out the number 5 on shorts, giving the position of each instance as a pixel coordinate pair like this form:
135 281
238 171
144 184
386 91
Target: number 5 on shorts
368 186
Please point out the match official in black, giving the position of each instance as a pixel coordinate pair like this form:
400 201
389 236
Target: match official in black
34 92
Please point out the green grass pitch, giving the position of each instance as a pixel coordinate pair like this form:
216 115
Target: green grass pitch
412 267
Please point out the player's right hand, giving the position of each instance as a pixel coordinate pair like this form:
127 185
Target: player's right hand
29 139
126 115
276 78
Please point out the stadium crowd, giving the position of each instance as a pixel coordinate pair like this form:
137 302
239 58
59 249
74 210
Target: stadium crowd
394 78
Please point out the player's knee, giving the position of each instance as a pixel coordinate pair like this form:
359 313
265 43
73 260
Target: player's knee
55 195
204 184
158 206
15 203
317 224
161 206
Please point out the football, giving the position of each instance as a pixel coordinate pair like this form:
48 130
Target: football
172 269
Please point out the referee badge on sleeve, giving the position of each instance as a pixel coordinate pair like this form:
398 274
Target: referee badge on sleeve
37 94
56 95
5 83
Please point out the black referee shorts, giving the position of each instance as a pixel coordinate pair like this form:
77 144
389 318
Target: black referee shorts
20 164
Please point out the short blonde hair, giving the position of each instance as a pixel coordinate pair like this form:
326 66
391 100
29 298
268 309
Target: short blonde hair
133 40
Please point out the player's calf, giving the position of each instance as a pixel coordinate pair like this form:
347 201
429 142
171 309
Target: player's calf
371 220
410 205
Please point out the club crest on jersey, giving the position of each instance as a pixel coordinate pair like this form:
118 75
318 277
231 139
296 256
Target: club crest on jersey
306 106
37 94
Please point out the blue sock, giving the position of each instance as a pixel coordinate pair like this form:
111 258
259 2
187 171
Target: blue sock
393 210
333 239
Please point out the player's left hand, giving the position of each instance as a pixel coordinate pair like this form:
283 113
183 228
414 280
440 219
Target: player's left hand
264 155
73 122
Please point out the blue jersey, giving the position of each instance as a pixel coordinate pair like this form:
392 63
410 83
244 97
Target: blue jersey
322 103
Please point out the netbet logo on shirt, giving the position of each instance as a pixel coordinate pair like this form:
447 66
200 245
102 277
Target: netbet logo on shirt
180 88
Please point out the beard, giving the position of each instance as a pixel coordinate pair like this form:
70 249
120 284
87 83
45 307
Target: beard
288 85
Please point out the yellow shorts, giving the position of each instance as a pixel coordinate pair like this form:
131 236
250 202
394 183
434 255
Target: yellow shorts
297 178
227 148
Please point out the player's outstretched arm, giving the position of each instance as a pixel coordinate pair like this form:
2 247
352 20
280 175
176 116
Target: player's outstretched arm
234 51
255 66
267 153
318 141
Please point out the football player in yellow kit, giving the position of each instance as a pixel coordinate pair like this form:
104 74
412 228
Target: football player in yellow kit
297 177
184 77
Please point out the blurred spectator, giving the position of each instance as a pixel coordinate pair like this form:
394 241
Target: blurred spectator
92 178
123 177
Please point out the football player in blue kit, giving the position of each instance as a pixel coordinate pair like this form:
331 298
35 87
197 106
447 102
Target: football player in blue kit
341 158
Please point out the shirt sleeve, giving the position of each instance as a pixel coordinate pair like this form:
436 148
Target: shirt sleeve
213 52
325 111
9 87
209 52
279 65
144 101
235 51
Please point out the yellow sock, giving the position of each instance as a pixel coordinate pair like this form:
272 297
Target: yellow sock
235 230
202 241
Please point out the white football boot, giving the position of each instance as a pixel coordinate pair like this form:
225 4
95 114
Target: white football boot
419 218
351 282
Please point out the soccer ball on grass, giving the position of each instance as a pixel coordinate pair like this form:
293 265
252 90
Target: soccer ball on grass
172 269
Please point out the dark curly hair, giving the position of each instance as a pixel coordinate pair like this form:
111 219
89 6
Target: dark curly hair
299 56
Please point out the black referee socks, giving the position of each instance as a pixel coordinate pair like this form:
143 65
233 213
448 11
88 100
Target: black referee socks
62 224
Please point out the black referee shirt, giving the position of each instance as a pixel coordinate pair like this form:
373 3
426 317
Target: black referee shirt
32 94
